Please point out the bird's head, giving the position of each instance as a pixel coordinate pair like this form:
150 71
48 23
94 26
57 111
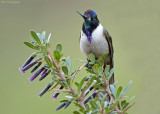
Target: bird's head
90 22
90 18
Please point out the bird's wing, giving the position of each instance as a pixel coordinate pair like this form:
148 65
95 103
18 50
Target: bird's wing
109 40
111 51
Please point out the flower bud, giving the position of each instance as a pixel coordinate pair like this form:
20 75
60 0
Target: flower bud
46 89
56 94
93 95
67 104
89 89
61 106
36 74
23 69
35 68
45 73
29 60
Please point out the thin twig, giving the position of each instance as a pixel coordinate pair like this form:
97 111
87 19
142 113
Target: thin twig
53 87
81 97
63 90
62 78
80 68
128 108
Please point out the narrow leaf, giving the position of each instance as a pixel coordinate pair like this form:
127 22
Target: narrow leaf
81 83
106 71
119 91
113 90
76 112
111 73
65 70
34 35
125 90
91 57
56 55
44 50
29 45
59 48
96 66
68 63
100 62
48 61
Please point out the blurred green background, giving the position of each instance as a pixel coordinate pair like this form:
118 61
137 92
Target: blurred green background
133 24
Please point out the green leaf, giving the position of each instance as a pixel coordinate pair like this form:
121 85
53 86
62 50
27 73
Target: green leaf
100 71
100 62
96 66
125 90
44 50
123 103
106 110
106 71
37 47
34 35
87 107
93 104
65 70
125 106
76 83
56 55
64 100
90 71
77 104
111 73
103 99
48 61
113 90
29 45
97 79
62 84
119 91
91 57
76 112
68 64
91 81
103 55
59 48
81 83
114 105
97 86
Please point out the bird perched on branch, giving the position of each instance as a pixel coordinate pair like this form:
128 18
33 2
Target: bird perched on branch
94 38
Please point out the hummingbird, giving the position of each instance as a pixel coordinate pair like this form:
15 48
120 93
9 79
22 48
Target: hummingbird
94 38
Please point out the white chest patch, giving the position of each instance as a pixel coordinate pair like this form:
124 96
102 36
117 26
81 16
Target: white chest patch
98 45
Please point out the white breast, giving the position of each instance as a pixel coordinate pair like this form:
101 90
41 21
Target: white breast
99 44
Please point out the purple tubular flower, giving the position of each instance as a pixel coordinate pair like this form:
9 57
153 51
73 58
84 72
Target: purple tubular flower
67 104
56 94
29 60
35 68
61 106
93 95
46 72
89 89
28 66
45 89
36 74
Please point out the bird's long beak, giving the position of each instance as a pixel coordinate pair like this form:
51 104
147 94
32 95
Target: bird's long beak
82 15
